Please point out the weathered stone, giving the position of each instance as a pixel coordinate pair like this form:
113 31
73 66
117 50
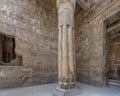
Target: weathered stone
24 21
34 25
91 42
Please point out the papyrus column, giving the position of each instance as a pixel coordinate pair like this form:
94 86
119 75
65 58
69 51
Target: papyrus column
66 50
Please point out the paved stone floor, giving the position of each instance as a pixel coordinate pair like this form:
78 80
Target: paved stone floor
46 90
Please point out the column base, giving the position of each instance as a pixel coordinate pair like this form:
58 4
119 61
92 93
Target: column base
71 92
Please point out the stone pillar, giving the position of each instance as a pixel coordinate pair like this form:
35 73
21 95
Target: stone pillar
66 50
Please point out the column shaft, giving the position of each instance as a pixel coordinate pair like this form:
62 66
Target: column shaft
60 57
66 61
71 57
65 56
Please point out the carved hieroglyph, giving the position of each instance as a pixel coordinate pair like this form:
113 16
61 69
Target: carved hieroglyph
66 48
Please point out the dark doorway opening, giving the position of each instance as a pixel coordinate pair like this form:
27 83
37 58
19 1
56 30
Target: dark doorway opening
7 48
114 56
8 57
113 49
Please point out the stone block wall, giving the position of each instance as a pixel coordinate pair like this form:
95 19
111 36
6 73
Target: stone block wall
91 42
33 23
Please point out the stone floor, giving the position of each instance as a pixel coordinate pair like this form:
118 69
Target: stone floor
46 90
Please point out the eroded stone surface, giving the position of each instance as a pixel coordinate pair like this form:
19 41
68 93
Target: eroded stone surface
66 50
91 42
34 25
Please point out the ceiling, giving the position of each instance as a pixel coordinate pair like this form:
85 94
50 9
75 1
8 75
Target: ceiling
52 3
47 2
83 3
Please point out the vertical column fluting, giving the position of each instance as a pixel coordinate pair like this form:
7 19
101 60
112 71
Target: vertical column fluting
65 56
71 56
60 55
66 51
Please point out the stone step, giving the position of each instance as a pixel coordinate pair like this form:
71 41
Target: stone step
114 82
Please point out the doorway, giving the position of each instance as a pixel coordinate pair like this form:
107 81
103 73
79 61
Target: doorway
7 48
113 49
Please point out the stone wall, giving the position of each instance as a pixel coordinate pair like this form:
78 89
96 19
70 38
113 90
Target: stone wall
33 23
91 42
